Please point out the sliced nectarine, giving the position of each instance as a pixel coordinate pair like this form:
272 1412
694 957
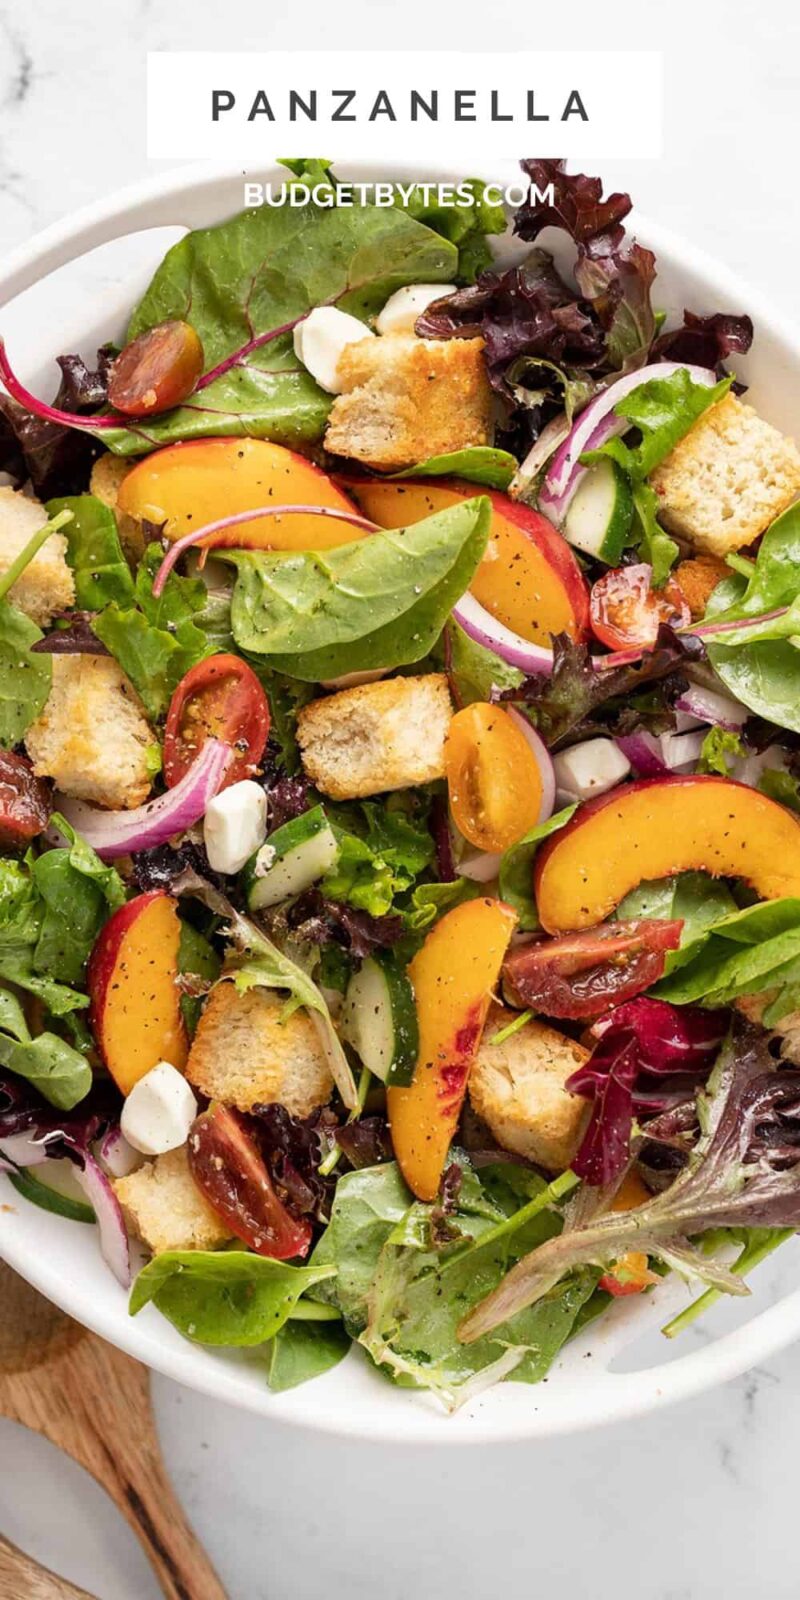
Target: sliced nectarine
529 577
187 485
453 976
132 978
655 828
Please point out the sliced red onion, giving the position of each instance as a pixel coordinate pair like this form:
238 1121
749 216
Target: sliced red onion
114 1246
597 423
681 749
23 1151
644 752
551 436
118 833
234 521
485 629
708 706
543 759
482 867
115 1157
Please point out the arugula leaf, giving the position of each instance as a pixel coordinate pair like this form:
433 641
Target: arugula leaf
663 410
478 463
227 1297
94 552
240 282
59 1073
379 602
516 868
302 1350
25 677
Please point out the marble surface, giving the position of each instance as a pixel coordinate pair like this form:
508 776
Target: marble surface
693 1503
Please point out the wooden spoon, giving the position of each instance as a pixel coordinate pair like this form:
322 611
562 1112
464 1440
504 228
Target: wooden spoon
21 1578
94 1402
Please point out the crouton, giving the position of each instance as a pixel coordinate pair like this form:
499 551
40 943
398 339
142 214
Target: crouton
377 736
517 1087
47 585
105 483
405 399
727 480
165 1208
244 1054
787 1030
93 737
697 580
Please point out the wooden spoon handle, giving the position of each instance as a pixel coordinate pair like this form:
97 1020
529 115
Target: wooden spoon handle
22 1578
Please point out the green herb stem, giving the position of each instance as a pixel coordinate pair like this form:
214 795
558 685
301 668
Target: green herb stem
334 1155
749 1257
555 1191
314 1311
740 564
511 1028
31 549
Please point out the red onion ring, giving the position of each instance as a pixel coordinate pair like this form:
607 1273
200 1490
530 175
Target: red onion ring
118 833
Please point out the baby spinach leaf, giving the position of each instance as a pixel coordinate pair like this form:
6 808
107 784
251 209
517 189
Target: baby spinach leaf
242 281
25 678
381 601
692 898
781 786
764 673
94 552
465 223
775 579
227 1297
745 953
12 1017
301 1350
476 671
78 891
59 1073
478 463
516 868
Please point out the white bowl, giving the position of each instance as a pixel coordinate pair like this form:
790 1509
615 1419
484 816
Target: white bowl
82 303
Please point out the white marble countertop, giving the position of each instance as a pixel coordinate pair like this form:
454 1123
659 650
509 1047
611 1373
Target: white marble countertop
690 1504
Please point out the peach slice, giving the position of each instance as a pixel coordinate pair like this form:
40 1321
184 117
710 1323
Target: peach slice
132 979
453 976
529 578
187 485
655 828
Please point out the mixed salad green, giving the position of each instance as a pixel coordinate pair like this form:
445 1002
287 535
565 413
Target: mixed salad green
400 873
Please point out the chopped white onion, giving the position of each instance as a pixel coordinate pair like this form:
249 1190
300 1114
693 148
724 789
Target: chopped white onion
709 706
750 769
680 749
481 867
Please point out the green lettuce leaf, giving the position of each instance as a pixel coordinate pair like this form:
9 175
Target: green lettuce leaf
227 1297
94 553
478 463
379 602
466 223
61 1075
302 1350
745 953
25 677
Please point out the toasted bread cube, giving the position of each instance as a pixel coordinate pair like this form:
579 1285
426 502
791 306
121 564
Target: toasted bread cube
46 586
787 1029
404 399
93 737
165 1208
727 480
698 578
517 1087
243 1054
108 473
377 736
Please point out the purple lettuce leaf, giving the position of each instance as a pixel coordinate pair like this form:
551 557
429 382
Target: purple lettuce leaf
57 459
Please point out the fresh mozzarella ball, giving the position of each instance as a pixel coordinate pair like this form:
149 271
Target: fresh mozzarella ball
159 1111
320 339
590 769
405 305
234 826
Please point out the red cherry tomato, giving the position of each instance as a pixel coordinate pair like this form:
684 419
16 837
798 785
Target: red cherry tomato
24 802
229 1170
625 612
578 974
220 698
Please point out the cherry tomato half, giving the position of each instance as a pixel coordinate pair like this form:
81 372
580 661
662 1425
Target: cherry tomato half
24 802
577 975
232 1175
156 371
625 612
220 698
493 780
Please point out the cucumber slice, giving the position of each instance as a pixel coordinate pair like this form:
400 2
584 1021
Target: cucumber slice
292 858
49 1199
379 1019
599 518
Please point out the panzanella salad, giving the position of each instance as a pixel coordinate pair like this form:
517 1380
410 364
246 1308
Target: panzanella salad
400 790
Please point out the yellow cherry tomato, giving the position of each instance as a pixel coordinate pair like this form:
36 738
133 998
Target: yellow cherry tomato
493 779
